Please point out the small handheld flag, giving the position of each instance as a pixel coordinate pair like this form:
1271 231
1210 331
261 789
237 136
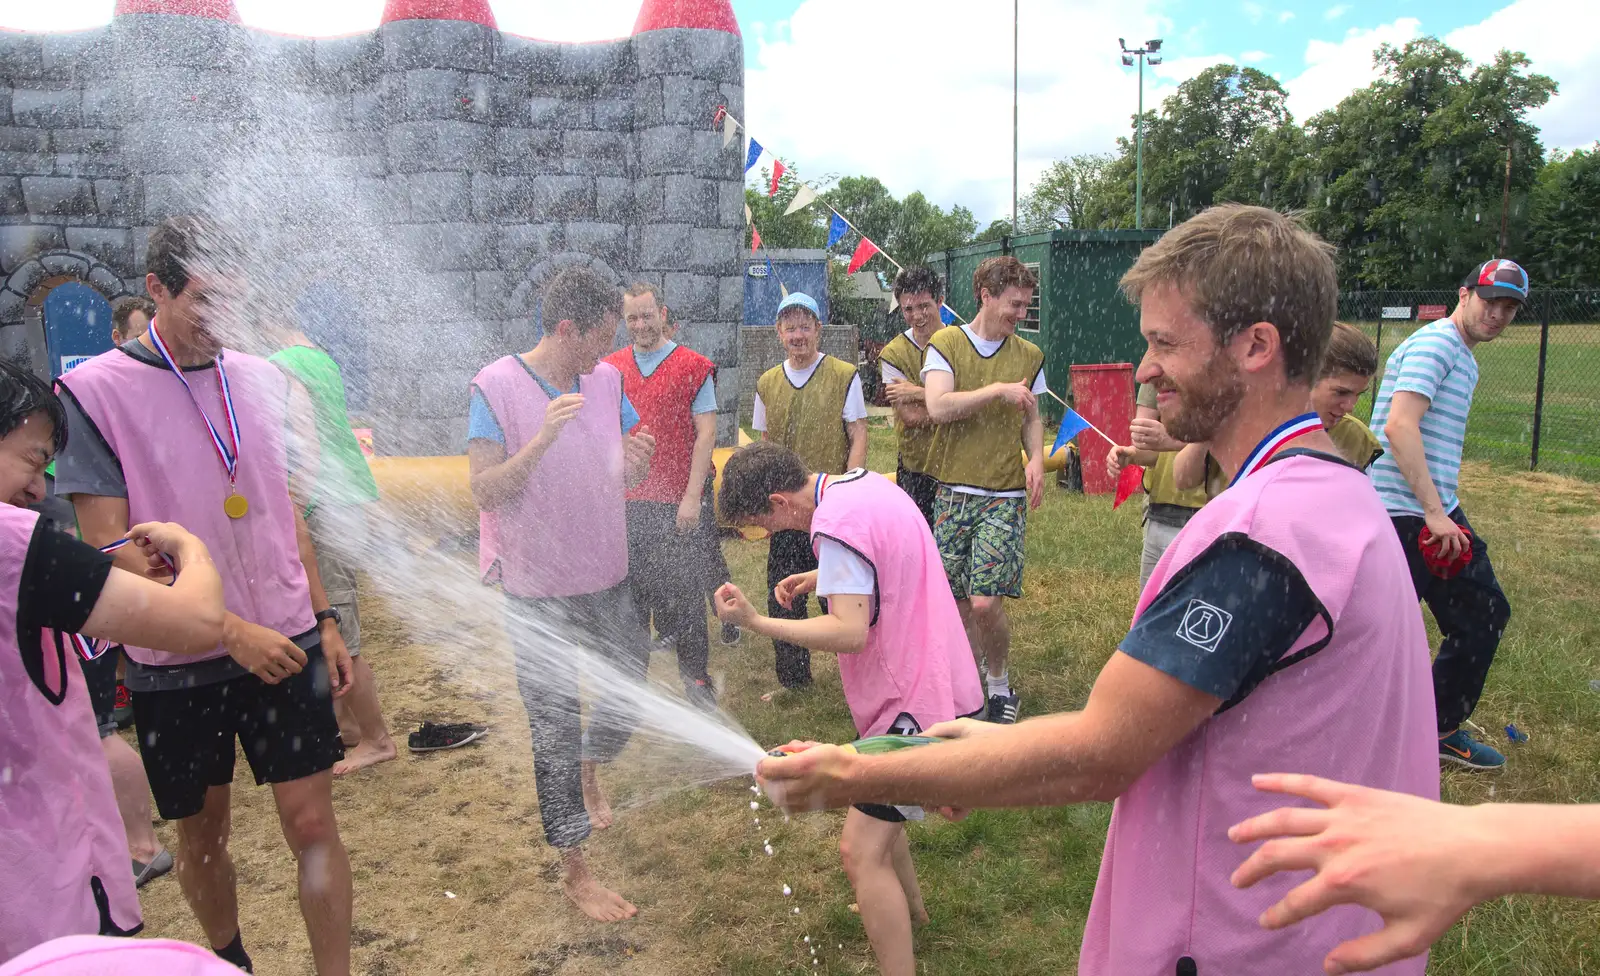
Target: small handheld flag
1131 480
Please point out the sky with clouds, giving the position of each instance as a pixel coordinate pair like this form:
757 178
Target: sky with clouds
918 92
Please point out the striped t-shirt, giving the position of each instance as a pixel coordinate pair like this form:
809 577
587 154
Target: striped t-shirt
1437 364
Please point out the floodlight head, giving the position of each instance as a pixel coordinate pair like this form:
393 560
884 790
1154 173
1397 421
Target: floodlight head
1154 45
1123 42
1152 61
1127 60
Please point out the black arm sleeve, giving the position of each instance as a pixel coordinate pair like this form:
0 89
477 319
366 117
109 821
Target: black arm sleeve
1223 622
61 581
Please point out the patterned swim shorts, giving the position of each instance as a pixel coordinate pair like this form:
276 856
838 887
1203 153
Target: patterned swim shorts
980 538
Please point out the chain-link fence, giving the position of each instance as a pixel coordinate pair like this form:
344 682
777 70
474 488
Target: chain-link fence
1537 404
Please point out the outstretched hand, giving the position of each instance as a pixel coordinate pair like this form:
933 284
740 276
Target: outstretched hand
1394 853
809 777
732 606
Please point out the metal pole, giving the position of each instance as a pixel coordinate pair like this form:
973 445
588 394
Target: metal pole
1505 203
1015 72
1538 389
1138 180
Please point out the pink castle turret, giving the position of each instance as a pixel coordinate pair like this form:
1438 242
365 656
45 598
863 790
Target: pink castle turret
693 14
215 9
472 11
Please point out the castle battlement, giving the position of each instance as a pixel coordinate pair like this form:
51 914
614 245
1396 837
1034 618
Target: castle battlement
484 159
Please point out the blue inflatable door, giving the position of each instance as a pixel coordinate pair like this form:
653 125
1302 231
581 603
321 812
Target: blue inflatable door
77 325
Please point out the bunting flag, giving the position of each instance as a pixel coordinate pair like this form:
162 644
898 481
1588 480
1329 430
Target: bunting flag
748 220
730 128
783 288
803 198
1131 480
894 302
754 155
948 317
722 113
755 238
836 230
864 252
777 174
1071 426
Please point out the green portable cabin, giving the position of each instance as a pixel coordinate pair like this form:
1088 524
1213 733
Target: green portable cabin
1078 315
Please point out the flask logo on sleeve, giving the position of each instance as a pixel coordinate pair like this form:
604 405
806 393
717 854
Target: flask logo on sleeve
1203 625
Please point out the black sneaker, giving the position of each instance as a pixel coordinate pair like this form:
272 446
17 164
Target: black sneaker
433 736
1003 709
123 712
701 695
731 634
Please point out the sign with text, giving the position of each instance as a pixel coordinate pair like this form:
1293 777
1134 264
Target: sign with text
1397 311
1428 313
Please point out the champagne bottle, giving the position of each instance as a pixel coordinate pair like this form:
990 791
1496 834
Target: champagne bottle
877 744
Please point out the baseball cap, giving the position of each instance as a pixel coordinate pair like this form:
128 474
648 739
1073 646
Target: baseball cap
1499 278
801 299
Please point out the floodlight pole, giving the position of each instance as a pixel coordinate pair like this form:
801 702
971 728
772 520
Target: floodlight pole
1016 12
1138 180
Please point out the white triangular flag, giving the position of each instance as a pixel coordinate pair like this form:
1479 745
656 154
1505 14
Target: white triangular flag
747 217
802 199
730 128
894 302
783 288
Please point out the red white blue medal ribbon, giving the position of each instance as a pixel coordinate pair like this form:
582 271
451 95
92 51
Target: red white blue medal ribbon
1274 442
90 648
822 486
228 454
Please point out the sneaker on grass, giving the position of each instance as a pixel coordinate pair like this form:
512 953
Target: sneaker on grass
701 695
1462 749
123 712
1003 709
143 874
434 736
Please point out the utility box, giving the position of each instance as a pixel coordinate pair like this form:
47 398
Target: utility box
771 274
1079 315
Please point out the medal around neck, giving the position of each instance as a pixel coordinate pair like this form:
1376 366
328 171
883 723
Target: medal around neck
236 505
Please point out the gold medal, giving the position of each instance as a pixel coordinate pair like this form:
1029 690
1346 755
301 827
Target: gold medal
235 505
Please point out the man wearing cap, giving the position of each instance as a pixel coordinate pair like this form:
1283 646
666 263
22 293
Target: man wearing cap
1420 417
812 404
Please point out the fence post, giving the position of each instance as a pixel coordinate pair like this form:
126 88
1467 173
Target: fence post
1538 389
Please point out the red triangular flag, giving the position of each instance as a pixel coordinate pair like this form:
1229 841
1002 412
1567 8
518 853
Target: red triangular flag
864 251
1130 481
777 174
755 238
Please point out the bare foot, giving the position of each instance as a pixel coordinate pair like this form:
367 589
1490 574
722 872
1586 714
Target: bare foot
592 898
597 901
364 755
594 800
919 916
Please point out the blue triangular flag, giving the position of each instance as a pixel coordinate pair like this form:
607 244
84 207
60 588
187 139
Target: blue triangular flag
1071 426
949 318
755 154
836 230
770 273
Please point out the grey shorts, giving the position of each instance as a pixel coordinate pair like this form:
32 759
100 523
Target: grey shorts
337 533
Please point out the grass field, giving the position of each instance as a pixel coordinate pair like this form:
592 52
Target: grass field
1008 890
1501 426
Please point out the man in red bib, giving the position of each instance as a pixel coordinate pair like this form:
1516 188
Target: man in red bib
673 389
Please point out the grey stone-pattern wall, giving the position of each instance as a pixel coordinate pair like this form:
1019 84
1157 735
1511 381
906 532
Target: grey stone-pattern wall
439 170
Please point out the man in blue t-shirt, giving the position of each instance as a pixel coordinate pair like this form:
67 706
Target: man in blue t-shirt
1420 417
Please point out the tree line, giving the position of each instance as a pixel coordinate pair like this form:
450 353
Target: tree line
1407 177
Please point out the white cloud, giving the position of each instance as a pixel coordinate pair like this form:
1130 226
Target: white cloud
1285 16
1562 39
1336 11
1253 11
918 92
1253 57
1335 68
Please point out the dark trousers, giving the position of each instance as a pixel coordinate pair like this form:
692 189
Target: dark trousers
554 642
1472 613
922 488
713 562
790 553
668 582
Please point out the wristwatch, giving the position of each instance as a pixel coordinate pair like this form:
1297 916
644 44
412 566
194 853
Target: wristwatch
332 613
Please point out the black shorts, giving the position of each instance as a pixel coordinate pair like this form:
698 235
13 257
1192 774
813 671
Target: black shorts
100 677
921 487
186 736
